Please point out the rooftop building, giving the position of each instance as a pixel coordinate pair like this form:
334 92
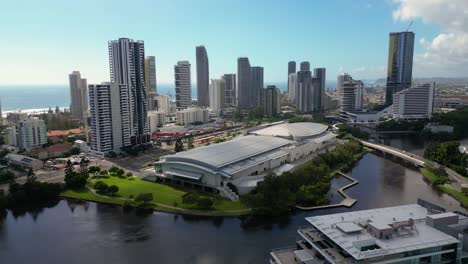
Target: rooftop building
400 234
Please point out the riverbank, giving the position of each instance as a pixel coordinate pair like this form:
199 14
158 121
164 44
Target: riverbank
166 198
445 187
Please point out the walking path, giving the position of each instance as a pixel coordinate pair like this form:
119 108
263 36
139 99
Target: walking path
346 202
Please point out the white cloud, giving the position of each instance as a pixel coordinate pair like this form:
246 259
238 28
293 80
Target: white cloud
447 53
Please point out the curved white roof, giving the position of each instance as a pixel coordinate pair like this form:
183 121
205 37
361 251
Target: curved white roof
216 156
295 131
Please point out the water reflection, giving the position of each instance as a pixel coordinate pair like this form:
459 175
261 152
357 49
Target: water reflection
73 232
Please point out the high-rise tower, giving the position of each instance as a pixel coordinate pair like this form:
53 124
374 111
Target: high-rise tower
243 82
400 63
183 86
127 66
203 73
78 96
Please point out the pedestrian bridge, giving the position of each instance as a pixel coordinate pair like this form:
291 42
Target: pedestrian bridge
410 157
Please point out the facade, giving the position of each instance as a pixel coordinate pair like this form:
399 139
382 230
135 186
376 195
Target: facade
156 120
400 234
163 104
230 97
28 133
342 78
320 74
14 117
292 88
78 96
305 66
400 63
246 160
269 100
352 96
291 67
127 66
183 86
203 73
307 96
109 117
150 75
244 82
415 102
192 115
256 85
217 94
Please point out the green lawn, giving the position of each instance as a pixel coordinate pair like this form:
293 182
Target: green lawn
455 194
163 194
429 175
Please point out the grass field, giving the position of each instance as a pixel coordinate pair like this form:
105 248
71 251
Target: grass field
429 175
462 198
163 194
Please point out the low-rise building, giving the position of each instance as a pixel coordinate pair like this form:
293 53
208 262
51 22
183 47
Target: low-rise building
53 151
400 234
192 115
244 161
24 161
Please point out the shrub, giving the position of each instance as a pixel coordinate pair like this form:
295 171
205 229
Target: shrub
204 203
144 198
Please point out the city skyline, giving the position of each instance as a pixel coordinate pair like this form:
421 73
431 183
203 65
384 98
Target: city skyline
54 58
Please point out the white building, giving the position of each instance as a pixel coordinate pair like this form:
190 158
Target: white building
415 102
352 96
400 234
29 133
109 117
217 94
292 85
192 115
78 96
340 80
246 160
156 120
183 86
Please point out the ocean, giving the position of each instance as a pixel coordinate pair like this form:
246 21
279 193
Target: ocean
40 97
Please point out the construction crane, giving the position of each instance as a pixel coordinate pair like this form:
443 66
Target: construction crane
409 25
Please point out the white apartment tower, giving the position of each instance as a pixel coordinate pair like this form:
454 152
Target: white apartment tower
352 95
217 94
127 66
109 117
78 96
183 86
156 120
29 133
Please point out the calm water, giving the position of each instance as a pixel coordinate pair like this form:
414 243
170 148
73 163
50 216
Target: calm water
93 233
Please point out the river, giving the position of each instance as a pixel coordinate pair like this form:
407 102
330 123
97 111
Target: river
96 233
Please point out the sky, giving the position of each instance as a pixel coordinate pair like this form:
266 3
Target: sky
43 41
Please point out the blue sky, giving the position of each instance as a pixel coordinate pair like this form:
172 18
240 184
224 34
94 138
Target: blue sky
43 41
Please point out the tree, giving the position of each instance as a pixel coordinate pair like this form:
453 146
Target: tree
120 172
68 167
129 174
94 170
74 151
144 198
6 176
112 190
179 145
101 187
204 203
84 168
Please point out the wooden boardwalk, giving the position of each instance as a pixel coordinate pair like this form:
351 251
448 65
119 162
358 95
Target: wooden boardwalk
346 202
